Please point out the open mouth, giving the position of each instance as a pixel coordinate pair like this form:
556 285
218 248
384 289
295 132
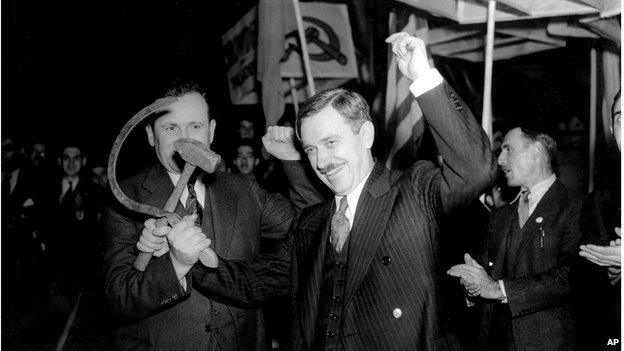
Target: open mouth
333 171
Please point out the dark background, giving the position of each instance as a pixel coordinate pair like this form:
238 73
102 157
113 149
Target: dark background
83 68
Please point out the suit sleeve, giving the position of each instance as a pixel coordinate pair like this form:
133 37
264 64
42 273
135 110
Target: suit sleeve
133 294
466 162
304 188
250 283
548 289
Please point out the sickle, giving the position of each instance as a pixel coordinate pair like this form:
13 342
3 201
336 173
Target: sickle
112 161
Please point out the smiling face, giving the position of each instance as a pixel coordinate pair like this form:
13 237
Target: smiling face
519 160
72 161
340 157
185 118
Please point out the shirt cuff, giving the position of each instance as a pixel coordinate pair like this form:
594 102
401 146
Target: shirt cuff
426 82
502 287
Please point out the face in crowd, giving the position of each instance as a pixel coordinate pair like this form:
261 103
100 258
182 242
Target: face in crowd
72 161
246 160
339 155
185 118
10 155
521 159
246 129
616 114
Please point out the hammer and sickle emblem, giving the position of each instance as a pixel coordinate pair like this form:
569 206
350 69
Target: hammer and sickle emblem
330 50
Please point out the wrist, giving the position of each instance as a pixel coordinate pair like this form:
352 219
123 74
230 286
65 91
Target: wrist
294 156
180 267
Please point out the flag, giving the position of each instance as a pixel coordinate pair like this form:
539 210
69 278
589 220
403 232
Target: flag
275 19
404 125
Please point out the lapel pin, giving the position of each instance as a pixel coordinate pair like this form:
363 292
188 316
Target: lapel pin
539 220
490 264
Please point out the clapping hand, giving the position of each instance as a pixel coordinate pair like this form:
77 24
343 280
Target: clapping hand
475 280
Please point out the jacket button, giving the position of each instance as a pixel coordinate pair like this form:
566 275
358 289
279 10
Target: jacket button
333 316
336 299
208 328
330 333
339 264
397 313
385 260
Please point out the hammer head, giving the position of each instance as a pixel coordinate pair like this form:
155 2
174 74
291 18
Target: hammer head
197 154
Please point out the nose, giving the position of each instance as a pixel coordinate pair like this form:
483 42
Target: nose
501 158
322 159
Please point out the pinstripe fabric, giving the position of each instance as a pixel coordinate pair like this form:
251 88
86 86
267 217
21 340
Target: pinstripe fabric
390 296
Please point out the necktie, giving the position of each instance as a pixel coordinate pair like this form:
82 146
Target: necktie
340 225
192 205
523 208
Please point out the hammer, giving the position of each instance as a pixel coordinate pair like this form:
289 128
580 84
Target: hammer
152 211
195 154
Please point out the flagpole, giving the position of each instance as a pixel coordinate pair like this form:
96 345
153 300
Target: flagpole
293 94
593 108
486 115
304 49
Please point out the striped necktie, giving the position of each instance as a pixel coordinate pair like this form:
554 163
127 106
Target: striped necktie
340 226
192 205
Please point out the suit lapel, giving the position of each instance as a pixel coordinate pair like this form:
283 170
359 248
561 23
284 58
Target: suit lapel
501 231
372 213
159 187
310 252
221 212
545 209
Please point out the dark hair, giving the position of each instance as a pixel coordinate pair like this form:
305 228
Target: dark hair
179 88
348 104
617 97
245 142
549 144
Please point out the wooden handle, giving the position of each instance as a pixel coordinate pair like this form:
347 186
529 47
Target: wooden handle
143 259
209 258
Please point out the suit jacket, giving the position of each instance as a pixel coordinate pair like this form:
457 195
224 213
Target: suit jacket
537 281
596 299
392 243
159 313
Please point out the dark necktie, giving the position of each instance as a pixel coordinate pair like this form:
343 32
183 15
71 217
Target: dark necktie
523 208
340 226
192 205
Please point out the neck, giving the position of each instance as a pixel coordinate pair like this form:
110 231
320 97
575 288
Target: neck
540 177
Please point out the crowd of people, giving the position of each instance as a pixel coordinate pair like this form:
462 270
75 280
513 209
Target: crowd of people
362 262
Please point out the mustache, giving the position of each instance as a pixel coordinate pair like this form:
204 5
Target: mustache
330 167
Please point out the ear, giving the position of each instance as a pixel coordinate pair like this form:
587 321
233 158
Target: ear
60 162
257 161
150 134
84 161
212 125
367 133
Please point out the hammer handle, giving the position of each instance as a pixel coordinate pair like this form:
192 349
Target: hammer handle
143 259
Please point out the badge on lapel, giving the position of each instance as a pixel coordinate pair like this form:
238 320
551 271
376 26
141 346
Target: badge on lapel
539 221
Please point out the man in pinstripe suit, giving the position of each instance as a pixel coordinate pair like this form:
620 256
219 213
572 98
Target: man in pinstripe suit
376 288
362 265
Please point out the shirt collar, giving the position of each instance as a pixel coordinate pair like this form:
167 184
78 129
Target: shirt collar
353 196
537 191
200 188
